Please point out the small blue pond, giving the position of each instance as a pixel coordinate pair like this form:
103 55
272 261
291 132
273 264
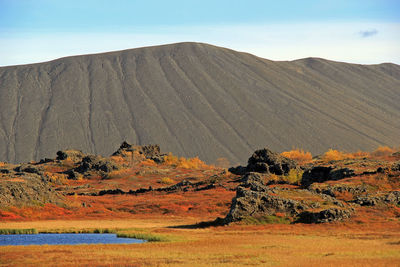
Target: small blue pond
64 239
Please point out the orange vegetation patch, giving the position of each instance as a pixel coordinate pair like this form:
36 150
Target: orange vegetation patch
345 196
332 155
148 162
203 204
47 211
383 151
190 163
335 155
298 155
9 216
15 179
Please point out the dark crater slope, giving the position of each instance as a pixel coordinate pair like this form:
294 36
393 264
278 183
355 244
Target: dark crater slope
195 100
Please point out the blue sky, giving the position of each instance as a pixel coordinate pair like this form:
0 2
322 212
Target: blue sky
356 31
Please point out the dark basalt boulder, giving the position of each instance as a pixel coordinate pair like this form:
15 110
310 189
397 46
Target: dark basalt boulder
238 170
45 160
96 163
367 200
253 180
266 161
254 203
323 216
395 166
320 174
116 191
72 175
392 197
140 152
61 155
331 190
73 155
28 168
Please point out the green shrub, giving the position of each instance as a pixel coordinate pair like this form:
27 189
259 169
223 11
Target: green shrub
145 236
18 231
294 176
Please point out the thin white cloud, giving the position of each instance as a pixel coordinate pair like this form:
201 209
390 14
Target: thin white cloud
334 41
368 33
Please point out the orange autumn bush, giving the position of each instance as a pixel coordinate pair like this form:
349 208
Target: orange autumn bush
167 181
171 159
360 154
190 163
298 155
332 155
383 151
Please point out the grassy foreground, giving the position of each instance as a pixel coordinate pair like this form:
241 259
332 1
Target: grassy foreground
235 245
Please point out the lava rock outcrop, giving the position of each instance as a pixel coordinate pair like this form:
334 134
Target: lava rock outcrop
320 174
266 161
26 189
255 199
140 152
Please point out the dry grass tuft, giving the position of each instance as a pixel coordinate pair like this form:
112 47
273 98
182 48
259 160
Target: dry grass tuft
167 181
57 178
360 154
148 163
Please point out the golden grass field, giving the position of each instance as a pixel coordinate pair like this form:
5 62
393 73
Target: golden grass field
371 237
234 245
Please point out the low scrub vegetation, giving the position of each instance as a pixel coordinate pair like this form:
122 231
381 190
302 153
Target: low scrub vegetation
271 219
332 155
383 151
298 155
293 177
18 231
144 236
167 181
185 163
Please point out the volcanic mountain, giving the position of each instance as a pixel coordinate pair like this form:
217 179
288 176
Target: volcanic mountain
195 99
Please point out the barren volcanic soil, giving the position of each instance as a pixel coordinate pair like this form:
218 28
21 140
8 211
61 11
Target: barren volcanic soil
195 100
